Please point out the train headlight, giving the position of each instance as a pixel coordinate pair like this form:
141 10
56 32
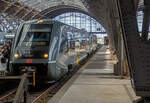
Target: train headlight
40 21
16 55
46 55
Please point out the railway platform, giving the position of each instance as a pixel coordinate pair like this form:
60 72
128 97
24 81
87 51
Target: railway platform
95 82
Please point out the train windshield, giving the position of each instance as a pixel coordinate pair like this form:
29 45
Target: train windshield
35 35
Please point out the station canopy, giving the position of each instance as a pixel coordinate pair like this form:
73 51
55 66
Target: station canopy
41 5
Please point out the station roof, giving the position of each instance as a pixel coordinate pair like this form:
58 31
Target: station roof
13 11
41 5
29 9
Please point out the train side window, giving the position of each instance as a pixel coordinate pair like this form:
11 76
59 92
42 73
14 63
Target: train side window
71 40
20 34
64 43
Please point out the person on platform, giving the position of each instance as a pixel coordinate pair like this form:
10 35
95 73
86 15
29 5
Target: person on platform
6 54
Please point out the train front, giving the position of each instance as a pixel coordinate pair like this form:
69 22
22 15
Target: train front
30 49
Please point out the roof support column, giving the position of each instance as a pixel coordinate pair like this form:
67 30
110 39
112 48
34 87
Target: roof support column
146 20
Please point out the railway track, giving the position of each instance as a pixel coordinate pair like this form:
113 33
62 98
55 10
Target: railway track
8 98
20 95
52 90
38 97
48 93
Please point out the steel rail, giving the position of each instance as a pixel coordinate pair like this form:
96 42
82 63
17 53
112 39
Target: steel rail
42 95
7 95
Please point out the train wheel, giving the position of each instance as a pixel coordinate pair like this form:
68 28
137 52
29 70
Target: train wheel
70 68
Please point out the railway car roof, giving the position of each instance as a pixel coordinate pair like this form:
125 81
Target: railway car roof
49 20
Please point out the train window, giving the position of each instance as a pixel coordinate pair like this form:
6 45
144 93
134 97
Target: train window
35 34
19 36
71 40
64 43
72 44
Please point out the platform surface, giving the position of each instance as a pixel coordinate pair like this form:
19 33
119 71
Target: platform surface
97 83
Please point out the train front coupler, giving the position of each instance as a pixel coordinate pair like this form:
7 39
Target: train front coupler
31 72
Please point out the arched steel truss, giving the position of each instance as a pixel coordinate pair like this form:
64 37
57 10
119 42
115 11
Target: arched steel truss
81 21
12 12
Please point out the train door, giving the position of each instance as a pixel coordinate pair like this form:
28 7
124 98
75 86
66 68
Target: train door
63 50
71 47
90 43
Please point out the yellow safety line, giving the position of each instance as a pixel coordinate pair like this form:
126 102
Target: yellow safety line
33 78
44 99
77 59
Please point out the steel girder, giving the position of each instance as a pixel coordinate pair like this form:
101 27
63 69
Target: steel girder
137 50
19 10
57 10
24 12
41 5
8 23
146 20
13 12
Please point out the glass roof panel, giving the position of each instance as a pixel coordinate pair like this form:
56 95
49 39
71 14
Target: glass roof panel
41 4
81 21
